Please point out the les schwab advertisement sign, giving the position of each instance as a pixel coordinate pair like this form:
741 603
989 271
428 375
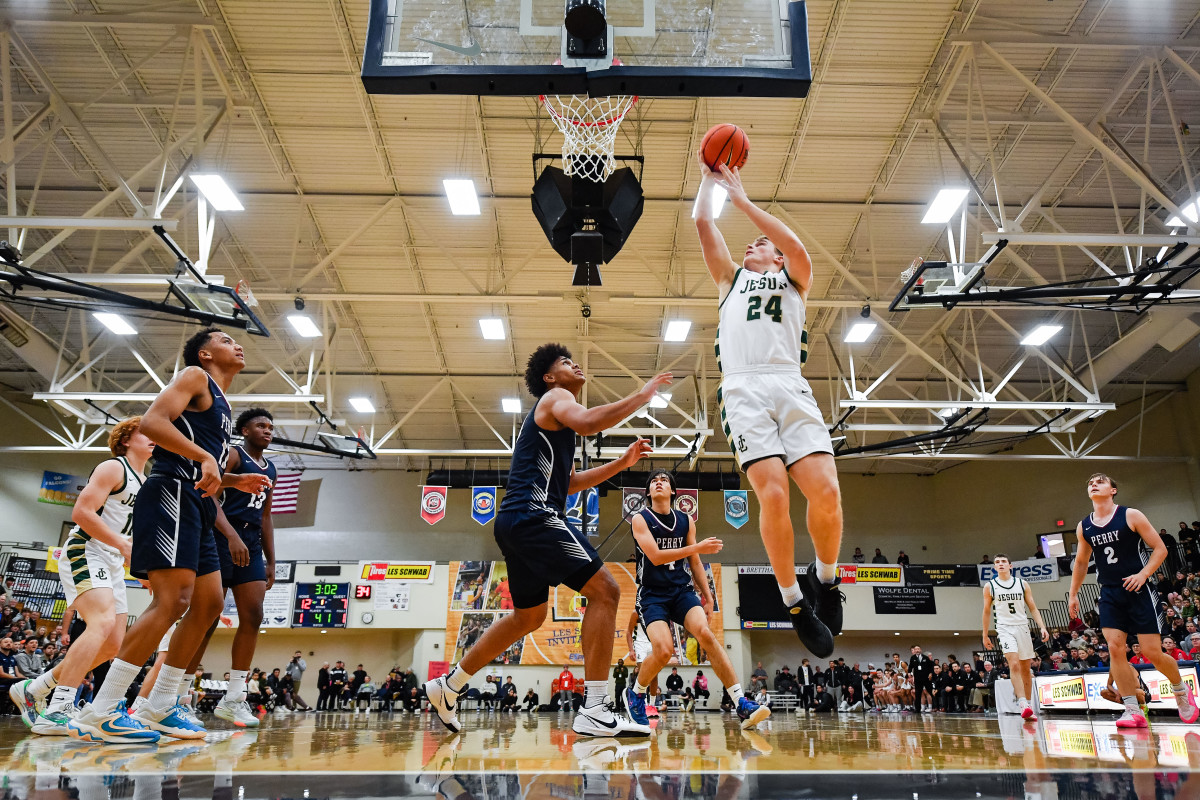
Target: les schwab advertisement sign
863 573
409 571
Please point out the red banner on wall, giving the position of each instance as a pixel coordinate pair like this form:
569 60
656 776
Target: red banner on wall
433 503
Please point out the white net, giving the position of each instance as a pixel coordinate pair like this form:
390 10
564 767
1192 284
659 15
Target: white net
589 128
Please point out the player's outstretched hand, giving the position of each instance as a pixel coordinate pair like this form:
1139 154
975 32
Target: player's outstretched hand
1134 582
1073 607
210 477
249 482
654 384
709 546
637 451
731 179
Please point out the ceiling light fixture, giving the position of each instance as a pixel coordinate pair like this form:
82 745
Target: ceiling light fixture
362 405
859 332
1040 335
115 323
677 330
511 405
464 201
217 192
943 206
492 328
1190 211
304 325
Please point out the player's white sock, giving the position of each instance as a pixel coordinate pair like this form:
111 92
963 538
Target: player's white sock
120 676
185 688
166 689
639 689
1022 702
237 686
791 594
735 693
594 693
1180 690
43 685
63 696
826 573
458 678
1131 704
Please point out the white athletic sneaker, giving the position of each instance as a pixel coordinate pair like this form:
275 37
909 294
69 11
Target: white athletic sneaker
238 713
53 721
445 702
176 721
603 720
115 727
602 755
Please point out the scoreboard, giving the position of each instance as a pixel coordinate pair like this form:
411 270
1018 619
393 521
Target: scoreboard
321 605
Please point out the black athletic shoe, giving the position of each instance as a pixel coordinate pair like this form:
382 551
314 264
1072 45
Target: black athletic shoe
827 599
812 632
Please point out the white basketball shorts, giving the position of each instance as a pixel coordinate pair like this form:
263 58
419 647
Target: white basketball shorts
1015 640
87 564
771 414
641 646
165 644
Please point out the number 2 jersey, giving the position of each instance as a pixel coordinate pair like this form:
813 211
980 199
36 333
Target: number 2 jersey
761 325
1117 548
241 506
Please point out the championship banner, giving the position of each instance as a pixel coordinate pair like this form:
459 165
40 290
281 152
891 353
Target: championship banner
870 573
632 502
479 595
1034 570
688 501
942 575
483 504
433 503
60 489
407 571
737 507
583 512
904 599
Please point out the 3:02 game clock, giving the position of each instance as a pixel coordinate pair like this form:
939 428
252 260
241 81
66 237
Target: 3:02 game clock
321 605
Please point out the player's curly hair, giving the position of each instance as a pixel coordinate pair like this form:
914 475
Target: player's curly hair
191 348
249 414
122 432
540 362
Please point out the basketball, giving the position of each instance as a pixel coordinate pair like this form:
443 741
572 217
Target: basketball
726 144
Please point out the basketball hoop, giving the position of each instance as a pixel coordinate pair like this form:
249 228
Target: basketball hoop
589 128
242 290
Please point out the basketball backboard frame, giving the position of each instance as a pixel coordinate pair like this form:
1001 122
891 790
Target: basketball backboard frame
421 76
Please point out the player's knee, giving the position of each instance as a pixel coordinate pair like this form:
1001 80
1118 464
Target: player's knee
531 619
826 496
253 616
773 496
603 590
174 607
662 651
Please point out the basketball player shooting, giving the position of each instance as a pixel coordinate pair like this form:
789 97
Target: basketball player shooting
1128 552
773 424
1013 601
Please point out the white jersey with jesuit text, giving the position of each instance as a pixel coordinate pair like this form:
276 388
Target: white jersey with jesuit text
761 325
1008 602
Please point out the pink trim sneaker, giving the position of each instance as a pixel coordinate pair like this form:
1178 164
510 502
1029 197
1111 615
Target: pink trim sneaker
1193 711
1132 719
1027 714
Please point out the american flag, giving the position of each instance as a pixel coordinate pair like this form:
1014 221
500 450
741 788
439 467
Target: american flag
287 489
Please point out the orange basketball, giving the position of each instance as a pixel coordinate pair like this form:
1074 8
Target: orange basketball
725 144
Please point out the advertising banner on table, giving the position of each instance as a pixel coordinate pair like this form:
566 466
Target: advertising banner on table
277 608
1098 740
60 489
870 573
633 500
1056 690
942 575
433 503
1034 570
483 504
407 571
1161 696
688 501
904 599
479 595
737 507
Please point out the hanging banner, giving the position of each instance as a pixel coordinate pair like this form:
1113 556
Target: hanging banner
583 512
433 503
1034 570
60 488
869 573
688 501
737 507
632 501
483 504
904 600
942 575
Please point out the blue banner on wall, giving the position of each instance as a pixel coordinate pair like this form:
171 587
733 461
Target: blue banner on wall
483 504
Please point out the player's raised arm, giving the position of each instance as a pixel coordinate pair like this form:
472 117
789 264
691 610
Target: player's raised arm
1140 524
658 557
1083 555
795 254
712 243
598 475
568 412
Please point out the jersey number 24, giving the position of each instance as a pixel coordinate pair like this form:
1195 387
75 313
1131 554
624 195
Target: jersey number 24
773 308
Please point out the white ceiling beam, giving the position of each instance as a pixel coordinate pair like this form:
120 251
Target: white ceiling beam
1070 41
32 15
967 402
87 223
1017 239
148 397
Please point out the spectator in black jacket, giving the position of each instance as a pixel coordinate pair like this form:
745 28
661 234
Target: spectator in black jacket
337 686
674 682
938 683
823 701
784 682
920 666
806 685
531 700
323 687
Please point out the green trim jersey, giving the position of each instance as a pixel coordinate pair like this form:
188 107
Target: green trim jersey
1008 603
761 325
117 511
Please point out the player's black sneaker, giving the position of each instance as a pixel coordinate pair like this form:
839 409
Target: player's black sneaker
813 633
826 598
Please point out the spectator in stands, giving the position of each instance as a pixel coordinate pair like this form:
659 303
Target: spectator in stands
362 698
29 661
530 701
566 686
674 683
254 695
1138 658
8 672
985 684
287 690
823 702
902 559
858 557
782 679
413 694
851 699
759 677
51 655
508 697
323 687
956 689
357 679
1092 659
1173 650
937 687
969 679
806 685
700 687
620 681
726 701
337 686
270 687
1190 639
879 558
762 697
87 688
986 559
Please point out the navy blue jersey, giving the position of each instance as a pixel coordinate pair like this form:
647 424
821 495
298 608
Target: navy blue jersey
241 506
540 470
211 430
670 533
1118 549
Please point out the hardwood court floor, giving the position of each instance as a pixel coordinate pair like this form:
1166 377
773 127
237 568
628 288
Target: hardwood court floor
700 755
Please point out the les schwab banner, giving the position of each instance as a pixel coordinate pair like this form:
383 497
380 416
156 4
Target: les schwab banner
1082 692
408 571
479 595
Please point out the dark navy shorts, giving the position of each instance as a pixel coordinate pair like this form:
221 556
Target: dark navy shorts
540 552
666 605
1132 612
256 570
173 528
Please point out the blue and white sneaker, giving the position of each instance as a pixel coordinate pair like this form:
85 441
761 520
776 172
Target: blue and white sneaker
636 704
751 713
115 727
176 721
24 701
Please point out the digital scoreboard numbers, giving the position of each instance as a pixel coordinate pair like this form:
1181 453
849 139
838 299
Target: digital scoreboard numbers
321 605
